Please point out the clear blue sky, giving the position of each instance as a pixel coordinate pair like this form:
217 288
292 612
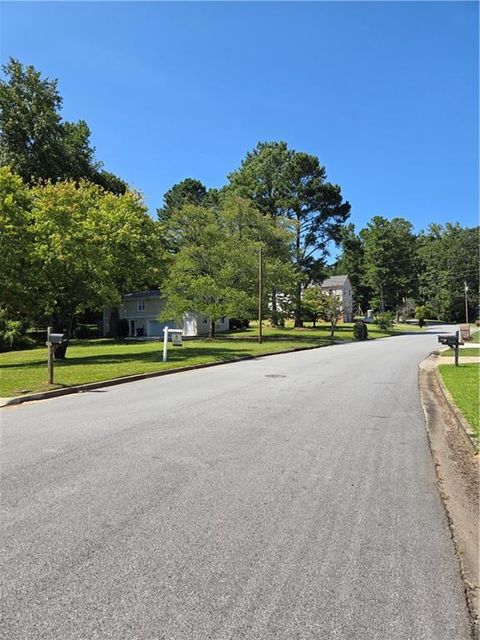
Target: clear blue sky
385 93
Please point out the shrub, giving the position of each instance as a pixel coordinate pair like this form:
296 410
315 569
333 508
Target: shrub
12 333
421 314
122 328
384 320
360 330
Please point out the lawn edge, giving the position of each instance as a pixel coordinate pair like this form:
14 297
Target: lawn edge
89 386
457 415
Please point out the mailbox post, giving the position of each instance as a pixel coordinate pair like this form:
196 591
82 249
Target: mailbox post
453 342
54 340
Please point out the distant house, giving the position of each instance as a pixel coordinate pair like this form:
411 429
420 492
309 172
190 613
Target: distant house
141 310
342 288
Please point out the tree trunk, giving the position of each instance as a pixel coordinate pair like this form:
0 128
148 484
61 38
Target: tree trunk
298 305
332 329
211 331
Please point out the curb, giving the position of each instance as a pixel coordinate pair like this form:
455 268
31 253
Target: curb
455 413
90 386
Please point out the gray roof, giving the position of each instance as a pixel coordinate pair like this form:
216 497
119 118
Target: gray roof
152 293
334 281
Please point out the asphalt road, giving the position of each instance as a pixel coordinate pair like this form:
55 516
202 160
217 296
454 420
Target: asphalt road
290 497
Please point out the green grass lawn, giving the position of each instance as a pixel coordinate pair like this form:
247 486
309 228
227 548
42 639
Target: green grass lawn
464 351
463 384
475 336
101 359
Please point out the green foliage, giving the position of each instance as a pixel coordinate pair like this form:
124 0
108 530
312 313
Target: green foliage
17 280
313 303
448 257
389 260
287 184
188 191
421 314
332 311
34 140
352 263
214 271
384 320
12 333
360 330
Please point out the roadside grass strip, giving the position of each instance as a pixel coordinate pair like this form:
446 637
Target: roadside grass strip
97 360
464 351
463 383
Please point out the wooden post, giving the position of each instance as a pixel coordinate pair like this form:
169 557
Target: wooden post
466 301
260 295
49 357
457 340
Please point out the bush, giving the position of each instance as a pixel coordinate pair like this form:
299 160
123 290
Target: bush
421 314
12 333
360 330
122 328
384 320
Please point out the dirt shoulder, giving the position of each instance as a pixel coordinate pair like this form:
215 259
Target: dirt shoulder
457 469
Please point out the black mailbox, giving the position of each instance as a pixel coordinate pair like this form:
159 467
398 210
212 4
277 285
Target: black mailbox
453 342
450 341
56 338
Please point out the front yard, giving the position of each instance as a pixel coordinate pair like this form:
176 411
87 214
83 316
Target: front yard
23 372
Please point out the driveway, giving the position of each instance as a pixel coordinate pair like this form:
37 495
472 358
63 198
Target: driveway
289 497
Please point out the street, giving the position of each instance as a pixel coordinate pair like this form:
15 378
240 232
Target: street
289 497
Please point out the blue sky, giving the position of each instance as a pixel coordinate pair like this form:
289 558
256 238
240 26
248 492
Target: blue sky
384 93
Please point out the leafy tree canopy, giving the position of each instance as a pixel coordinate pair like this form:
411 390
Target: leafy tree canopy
34 139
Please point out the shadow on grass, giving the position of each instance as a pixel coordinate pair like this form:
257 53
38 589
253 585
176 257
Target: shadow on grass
216 351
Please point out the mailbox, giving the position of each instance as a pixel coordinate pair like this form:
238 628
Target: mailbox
451 341
56 338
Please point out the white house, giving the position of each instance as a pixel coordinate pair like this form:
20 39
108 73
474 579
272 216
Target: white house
342 288
142 308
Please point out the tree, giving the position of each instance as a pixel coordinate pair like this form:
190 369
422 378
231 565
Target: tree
332 311
448 258
89 248
313 302
17 278
214 270
351 262
389 260
285 183
188 191
34 140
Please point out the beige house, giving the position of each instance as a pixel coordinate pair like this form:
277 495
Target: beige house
342 288
141 310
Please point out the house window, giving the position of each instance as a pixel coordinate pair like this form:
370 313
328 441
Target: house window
141 305
204 320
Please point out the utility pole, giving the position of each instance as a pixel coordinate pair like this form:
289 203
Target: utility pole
49 356
466 301
260 295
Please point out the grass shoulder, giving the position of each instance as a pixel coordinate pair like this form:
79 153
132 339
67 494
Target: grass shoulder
463 383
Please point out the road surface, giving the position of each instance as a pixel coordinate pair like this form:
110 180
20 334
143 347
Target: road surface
289 497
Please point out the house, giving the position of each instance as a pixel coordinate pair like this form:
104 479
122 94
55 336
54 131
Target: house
342 288
142 308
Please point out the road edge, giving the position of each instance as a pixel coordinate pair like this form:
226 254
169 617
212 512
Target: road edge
429 388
